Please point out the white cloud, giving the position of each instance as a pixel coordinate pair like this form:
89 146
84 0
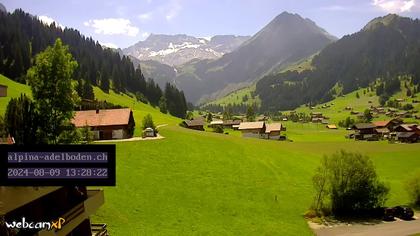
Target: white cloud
395 6
111 26
108 45
173 10
48 21
145 16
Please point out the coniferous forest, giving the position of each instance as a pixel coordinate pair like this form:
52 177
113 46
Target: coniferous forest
23 36
384 50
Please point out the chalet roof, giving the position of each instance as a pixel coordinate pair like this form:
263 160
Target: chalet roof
275 127
405 134
194 122
199 118
95 118
407 127
364 126
216 122
331 126
381 123
251 125
231 122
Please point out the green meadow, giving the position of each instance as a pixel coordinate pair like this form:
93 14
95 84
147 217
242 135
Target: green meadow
203 183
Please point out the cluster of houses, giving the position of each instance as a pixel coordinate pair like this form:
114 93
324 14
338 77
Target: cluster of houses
318 117
389 111
256 129
394 130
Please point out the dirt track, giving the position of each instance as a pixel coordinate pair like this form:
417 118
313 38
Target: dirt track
383 229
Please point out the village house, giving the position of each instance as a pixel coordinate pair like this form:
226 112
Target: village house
407 128
106 124
215 123
331 127
379 110
316 115
231 123
365 131
272 131
262 118
3 90
355 112
196 124
403 114
407 137
253 129
389 124
409 133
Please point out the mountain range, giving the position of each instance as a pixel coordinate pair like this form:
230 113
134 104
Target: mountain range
385 49
287 39
175 50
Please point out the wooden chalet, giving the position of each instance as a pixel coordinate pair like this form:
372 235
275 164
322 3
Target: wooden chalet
389 124
215 123
407 137
3 90
272 131
331 126
230 123
316 115
253 129
409 133
365 131
196 124
107 124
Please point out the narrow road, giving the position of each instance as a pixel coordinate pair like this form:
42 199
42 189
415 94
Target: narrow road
396 228
163 125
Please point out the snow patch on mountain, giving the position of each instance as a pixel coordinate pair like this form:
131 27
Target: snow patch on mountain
175 50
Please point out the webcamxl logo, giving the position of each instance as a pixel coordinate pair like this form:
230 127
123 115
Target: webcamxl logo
23 224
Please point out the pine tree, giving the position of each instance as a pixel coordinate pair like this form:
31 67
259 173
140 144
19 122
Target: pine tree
162 105
21 120
250 114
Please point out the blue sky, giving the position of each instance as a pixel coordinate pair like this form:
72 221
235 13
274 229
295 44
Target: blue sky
123 23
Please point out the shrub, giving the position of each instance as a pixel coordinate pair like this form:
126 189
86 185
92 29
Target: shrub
141 98
346 183
413 188
147 122
408 107
218 129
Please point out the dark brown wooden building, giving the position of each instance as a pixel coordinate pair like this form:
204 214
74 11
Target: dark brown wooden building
3 90
196 124
365 131
107 124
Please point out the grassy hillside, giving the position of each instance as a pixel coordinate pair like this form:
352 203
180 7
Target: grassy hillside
139 109
236 97
200 183
14 90
337 112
